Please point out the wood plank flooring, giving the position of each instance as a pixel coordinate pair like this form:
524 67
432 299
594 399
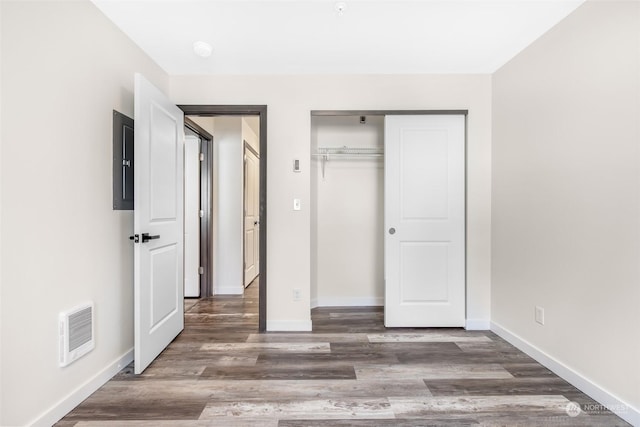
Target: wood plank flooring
350 371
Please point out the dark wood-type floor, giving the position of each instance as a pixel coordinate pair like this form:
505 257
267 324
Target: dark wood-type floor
350 371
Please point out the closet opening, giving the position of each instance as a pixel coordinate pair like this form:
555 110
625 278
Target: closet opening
347 210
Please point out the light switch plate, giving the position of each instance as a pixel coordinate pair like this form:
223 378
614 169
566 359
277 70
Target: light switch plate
539 315
296 204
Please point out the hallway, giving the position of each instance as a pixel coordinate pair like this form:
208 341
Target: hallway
350 371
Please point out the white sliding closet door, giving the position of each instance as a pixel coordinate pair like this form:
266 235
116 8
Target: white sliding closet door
425 221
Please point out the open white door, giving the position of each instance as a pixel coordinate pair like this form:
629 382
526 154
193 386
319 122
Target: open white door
424 221
192 216
251 216
158 222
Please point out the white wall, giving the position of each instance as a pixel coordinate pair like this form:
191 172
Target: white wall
67 66
228 202
290 100
348 202
566 189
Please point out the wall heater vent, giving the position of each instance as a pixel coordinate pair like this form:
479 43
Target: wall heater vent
76 333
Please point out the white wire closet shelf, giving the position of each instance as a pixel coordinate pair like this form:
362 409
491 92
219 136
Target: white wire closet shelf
326 153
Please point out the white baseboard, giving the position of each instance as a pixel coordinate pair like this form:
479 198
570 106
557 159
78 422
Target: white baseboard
228 290
477 325
347 302
64 406
289 325
596 392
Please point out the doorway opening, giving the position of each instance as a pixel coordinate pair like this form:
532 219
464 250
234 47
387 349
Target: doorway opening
233 202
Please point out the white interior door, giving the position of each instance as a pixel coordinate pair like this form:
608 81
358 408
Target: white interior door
251 216
158 215
424 221
191 216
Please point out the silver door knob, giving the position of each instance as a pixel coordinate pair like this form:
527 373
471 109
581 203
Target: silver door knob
392 230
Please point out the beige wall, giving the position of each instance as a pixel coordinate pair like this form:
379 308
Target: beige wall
566 208
290 100
248 133
205 123
65 67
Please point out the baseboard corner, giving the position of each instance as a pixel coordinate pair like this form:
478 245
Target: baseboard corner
477 324
616 405
229 290
349 302
73 399
289 325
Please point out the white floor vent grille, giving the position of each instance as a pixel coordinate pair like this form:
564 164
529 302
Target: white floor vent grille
76 333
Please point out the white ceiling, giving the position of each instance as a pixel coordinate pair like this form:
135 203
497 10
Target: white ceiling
311 36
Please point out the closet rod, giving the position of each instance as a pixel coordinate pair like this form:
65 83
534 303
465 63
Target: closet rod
325 152
348 150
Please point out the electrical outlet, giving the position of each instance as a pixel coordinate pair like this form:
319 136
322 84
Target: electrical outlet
296 294
539 316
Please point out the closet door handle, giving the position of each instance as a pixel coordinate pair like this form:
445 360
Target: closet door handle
392 230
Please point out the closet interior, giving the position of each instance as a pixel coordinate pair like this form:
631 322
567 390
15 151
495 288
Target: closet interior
347 206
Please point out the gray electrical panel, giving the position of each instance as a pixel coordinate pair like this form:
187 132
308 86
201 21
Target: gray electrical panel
122 162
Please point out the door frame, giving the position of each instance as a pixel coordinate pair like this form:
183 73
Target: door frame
261 112
465 113
206 148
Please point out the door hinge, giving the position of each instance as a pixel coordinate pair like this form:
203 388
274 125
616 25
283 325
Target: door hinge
201 213
202 157
200 270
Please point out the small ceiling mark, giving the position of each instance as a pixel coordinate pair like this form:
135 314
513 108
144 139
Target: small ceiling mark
202 49
340 7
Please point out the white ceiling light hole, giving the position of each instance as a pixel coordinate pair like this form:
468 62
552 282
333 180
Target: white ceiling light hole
340 7
202 49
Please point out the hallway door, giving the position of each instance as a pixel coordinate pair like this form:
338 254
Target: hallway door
424 221
251 215
192 215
